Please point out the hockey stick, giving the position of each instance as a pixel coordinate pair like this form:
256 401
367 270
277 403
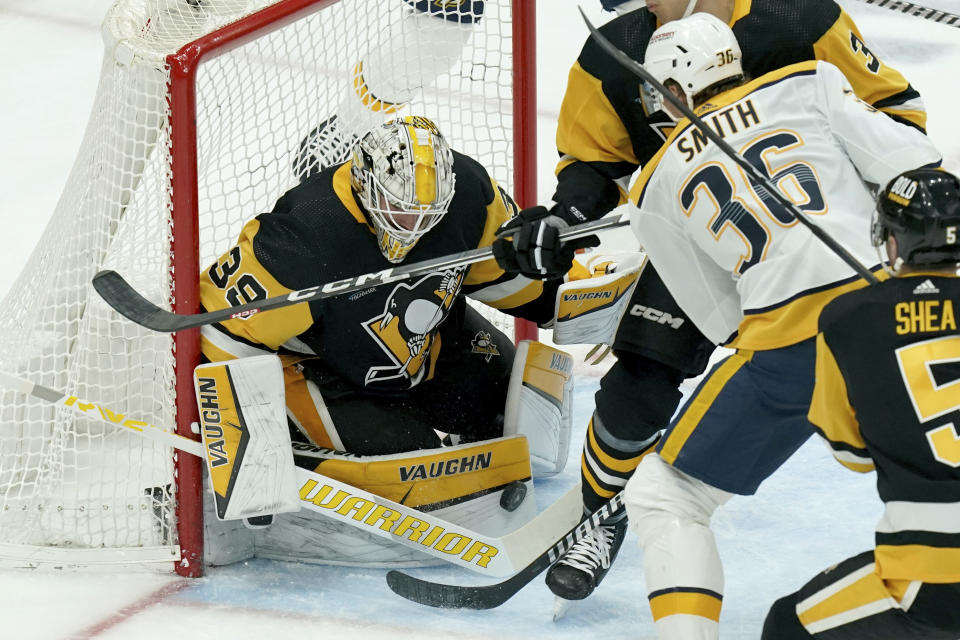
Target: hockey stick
451 596
447 541
722 144
934 15
118 293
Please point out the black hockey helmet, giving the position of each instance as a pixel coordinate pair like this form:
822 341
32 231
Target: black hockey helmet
921 209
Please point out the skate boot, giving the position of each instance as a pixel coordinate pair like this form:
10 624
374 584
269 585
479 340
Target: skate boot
580 570
325 146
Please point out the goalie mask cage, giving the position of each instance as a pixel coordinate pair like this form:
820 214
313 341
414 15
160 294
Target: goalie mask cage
195 128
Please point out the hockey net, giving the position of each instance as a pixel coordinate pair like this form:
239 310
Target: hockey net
157 198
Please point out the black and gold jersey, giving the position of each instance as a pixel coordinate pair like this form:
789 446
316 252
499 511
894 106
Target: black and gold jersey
887 396
385 338
604 135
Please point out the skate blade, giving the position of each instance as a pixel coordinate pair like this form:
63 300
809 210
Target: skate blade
560 607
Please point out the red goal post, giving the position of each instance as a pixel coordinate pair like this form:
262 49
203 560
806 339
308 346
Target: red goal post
197 123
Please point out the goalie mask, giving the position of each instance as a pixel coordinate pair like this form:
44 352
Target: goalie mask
402 173
697 53
921 210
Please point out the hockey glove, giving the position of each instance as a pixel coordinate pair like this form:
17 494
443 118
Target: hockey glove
529 244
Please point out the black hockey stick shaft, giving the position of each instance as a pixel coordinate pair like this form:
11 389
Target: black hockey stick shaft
751 170
934 15
451 596
128 302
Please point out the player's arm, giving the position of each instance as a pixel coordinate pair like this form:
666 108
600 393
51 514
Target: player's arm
872 80
596 153
597 159
238 277
831 413
878 146
512 293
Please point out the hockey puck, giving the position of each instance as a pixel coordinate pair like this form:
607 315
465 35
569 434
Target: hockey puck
513 495
258 522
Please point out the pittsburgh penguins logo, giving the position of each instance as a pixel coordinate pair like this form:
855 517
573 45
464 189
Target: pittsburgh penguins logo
482 344
407 327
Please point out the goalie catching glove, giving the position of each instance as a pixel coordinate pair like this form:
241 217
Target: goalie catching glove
529 243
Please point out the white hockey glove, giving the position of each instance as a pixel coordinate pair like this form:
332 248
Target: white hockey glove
592 302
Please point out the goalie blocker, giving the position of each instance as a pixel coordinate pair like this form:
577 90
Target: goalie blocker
485 485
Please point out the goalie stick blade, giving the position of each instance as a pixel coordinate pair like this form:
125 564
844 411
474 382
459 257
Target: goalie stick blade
490 596
128 302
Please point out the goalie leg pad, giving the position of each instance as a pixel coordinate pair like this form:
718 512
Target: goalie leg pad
243 422
464 484
430 479
540 404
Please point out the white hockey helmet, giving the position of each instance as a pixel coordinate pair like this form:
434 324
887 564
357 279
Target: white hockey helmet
696 52
402 173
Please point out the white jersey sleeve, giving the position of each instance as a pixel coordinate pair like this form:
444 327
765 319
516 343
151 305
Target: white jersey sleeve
709 295
878 146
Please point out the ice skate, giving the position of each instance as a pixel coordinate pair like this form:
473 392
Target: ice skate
580 570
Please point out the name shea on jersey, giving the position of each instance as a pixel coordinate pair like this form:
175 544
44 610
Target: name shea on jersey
925 315
724 123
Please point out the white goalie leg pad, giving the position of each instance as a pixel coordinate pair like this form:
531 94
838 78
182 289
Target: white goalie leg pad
595 297
540 404
246 441
224 541
670 512
483 485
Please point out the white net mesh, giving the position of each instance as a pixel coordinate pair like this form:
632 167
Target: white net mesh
67 482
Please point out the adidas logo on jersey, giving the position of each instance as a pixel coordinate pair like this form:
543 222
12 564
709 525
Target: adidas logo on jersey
925 287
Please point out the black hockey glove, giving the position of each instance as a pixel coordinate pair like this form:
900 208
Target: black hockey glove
534 249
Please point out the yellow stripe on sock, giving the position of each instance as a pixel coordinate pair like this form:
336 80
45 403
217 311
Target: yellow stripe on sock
685 603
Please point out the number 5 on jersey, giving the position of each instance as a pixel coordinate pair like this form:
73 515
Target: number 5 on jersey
932 399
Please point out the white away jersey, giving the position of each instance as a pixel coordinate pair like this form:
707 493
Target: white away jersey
737 262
